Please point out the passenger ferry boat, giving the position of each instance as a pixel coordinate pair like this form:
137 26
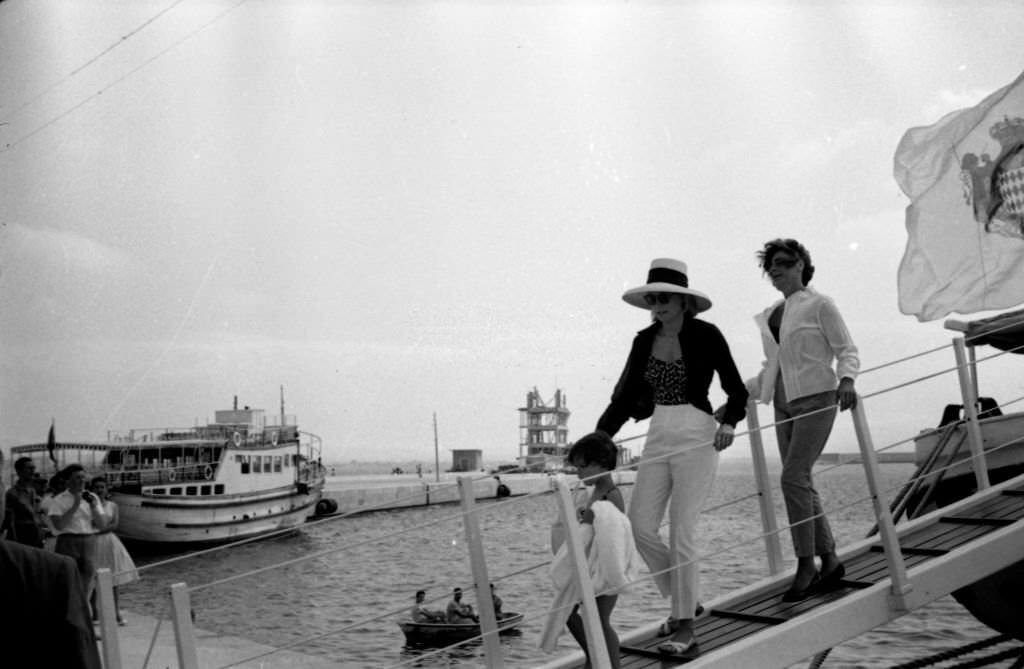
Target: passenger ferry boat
237 477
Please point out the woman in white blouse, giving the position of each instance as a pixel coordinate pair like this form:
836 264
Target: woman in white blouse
803 337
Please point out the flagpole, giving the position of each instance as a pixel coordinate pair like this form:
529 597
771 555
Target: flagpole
437 458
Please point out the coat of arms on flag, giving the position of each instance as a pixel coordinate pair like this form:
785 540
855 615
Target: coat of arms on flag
964 176
995 188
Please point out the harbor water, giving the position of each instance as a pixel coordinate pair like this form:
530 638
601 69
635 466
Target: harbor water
345 603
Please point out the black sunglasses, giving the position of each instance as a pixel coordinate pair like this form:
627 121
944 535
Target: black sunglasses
658 298
783 262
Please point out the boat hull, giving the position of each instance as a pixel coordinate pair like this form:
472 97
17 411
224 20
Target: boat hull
994 600
147 520
443 634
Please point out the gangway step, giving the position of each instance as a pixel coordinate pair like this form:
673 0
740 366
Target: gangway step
750 617
974 520
914 550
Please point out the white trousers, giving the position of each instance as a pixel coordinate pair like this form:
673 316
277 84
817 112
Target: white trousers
681 481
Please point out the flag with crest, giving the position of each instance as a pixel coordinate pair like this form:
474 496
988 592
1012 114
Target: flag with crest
964 176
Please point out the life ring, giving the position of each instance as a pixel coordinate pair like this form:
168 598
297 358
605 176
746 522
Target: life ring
171 475
273 437
238 439
208 472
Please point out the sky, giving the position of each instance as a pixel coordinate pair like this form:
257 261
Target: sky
396 210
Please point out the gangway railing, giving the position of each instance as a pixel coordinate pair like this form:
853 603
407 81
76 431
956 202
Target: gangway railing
770 535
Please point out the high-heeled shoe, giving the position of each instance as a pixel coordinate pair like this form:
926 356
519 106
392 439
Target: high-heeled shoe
831 580
795 594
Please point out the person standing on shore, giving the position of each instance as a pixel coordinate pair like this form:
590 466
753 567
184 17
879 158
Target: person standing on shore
110 552
77 516
667 377
802 335
23 521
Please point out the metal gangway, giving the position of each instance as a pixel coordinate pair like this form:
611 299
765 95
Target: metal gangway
899 568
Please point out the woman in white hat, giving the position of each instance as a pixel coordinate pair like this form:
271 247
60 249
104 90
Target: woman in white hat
803 336
667 377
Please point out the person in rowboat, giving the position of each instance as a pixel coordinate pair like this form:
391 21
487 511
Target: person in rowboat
421 614
802 335
459 611
666 378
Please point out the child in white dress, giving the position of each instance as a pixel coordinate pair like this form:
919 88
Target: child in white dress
608 540
110 552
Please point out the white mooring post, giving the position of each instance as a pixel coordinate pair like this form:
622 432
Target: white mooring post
577 553
478 564
969 394
108 619
886 528
769 523
184 635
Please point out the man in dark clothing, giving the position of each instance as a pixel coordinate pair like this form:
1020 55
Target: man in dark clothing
22 520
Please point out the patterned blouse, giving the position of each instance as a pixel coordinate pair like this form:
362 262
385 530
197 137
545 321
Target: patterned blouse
668 379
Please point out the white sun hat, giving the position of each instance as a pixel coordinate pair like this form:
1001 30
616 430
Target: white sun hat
667 275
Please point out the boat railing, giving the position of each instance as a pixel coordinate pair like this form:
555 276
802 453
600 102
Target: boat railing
472 514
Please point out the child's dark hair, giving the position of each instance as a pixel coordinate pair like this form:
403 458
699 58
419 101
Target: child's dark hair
594 448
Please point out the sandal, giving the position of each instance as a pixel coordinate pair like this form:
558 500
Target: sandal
670 624
675 647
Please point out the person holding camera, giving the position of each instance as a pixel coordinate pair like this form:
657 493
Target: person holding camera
77 516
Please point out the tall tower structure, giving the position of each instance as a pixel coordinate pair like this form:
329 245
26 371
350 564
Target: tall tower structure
543 432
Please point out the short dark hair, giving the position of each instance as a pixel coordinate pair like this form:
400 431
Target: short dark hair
594 448
421 592
764 256
70 469
20 463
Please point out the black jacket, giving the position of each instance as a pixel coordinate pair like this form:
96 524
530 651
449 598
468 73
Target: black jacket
705 352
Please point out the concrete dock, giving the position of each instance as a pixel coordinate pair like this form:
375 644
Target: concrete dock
142 644
357 494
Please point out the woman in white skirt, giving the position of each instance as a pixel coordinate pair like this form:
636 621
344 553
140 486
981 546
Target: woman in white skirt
110 552
666 378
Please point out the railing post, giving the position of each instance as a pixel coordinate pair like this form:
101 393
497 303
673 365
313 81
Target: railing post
478 564
886 528
970 399
769 523
596 646
184 635
108 619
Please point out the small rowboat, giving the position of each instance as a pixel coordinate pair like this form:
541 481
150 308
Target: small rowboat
448 633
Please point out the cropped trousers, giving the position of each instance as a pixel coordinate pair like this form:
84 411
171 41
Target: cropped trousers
681 480
801 441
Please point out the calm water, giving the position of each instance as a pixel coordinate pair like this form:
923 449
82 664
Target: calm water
386 565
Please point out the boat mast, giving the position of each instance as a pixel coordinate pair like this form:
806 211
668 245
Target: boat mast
282 406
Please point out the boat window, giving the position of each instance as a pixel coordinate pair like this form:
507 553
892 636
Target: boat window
287 461
218 489
175 491
190 490
277 463
159 491
245 463
257 462
204 490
